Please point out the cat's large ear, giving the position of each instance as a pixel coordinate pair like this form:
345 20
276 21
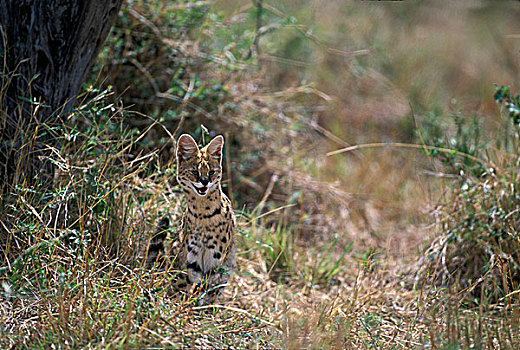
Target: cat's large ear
215 148
186 148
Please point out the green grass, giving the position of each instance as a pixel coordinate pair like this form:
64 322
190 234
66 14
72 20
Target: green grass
364 250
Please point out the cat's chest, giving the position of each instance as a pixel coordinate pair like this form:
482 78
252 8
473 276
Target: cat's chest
210 217
207 233
206 241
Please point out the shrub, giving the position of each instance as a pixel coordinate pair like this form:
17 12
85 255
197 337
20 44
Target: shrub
462 135
478 249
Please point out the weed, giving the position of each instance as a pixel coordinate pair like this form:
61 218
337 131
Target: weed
478 248
323 240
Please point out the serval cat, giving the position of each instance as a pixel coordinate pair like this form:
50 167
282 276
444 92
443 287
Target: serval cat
204 246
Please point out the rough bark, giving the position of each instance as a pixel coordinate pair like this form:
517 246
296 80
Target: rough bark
48 47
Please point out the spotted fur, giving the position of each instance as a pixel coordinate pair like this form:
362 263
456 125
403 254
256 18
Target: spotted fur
204 246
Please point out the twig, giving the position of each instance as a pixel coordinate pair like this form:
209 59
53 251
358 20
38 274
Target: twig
409 145
440 175
267 193
267 213
259 10
228 169
178 99
235 309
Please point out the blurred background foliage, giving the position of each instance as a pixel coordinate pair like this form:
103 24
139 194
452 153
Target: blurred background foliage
286 82
294 79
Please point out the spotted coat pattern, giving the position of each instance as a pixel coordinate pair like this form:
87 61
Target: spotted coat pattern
204 246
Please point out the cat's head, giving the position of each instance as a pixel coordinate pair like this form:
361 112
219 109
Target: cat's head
199 170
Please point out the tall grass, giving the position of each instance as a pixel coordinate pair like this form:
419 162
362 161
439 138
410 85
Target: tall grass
327 246
73 270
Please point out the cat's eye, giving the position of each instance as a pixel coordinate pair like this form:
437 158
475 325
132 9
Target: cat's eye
195 172
211 172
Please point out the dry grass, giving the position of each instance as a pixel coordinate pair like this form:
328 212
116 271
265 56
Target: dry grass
328 246
68 289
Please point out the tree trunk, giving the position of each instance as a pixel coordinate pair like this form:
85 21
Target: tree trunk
47 49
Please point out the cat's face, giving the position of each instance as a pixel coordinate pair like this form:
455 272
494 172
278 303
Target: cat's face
199 170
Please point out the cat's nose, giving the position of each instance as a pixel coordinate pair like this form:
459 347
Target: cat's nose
204 182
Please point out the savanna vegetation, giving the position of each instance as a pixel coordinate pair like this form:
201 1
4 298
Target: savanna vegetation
372 156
